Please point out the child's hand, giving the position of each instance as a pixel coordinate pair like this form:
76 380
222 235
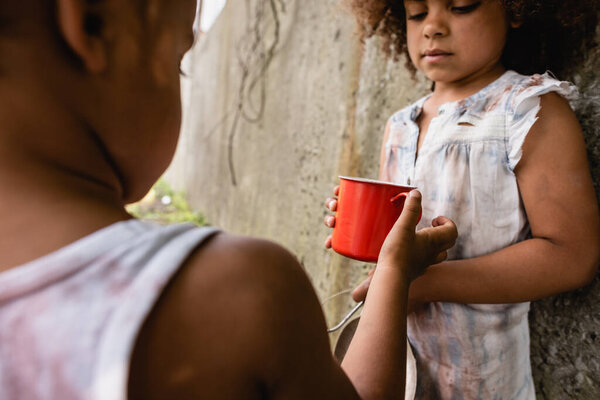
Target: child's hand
331 204
414 251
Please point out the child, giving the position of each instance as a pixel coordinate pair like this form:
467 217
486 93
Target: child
502 154
96 305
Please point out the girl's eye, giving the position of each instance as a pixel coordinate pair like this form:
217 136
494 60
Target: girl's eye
466 9
417 17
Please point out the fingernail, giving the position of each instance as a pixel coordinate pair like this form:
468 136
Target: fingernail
415 194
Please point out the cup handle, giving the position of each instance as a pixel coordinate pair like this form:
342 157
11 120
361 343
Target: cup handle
399 199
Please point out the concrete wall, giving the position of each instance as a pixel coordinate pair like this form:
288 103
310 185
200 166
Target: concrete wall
276 109
565 330
281 101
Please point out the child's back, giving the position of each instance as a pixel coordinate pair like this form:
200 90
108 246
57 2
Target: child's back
94 305
70 319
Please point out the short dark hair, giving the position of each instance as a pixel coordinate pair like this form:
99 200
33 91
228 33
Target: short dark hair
554 34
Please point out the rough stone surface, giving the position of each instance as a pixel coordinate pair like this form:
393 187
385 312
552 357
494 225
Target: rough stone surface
281 101
565 330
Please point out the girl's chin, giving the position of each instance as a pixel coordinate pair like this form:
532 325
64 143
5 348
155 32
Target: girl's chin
446 77
442 76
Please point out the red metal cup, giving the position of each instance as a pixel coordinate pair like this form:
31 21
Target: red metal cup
366 211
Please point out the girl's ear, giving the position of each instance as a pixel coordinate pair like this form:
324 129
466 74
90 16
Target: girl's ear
81 30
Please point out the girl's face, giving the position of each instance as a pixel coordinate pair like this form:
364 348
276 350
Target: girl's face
455 40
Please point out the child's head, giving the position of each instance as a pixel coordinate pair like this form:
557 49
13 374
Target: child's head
99 76
541 34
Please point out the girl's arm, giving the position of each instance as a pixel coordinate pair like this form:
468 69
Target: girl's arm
558 195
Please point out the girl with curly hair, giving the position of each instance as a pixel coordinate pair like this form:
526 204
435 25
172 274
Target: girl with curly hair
497 148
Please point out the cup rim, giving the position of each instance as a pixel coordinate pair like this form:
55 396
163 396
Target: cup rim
376 182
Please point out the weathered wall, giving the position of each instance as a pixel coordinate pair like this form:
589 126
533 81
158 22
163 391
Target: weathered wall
276 109
282 100
565 330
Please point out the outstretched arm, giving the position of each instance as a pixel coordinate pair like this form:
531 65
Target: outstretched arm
376 358
557 192
241 320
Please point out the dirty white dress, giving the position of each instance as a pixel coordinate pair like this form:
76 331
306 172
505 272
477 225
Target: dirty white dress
69 320
465 171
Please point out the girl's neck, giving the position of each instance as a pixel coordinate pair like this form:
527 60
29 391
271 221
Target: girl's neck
445 92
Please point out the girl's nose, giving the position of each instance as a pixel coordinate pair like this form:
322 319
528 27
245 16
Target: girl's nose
435 26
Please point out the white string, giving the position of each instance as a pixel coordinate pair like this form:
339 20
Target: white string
348 315
336 295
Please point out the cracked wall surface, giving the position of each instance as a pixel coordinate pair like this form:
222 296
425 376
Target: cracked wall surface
283 99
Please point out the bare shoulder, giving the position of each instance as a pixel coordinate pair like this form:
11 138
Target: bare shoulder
555 134
555 109
557 189
227 324
552 103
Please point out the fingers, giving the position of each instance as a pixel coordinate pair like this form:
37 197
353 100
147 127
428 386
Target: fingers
441 257
328 242
331 203
329 221
360 292
444 232
441 220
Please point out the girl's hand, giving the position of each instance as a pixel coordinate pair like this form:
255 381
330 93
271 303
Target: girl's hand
414 251
331 204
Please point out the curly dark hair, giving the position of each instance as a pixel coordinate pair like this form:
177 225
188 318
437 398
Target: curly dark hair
554 35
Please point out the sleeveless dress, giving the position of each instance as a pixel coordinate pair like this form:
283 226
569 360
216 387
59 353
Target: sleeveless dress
465 171
69 320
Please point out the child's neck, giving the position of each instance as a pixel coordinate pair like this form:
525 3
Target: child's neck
445 92
54 187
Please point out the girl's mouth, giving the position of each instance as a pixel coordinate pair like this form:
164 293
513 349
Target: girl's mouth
434 55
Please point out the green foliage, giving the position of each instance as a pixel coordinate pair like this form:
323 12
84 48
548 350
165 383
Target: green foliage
164 205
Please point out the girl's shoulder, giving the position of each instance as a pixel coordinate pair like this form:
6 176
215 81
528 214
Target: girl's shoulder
512 94
523 103
520 92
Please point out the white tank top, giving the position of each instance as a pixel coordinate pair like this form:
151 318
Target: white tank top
69 320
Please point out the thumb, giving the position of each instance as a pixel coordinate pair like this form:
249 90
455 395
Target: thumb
411 211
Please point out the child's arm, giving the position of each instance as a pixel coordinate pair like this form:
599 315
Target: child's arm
241 320
372 361
558 195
